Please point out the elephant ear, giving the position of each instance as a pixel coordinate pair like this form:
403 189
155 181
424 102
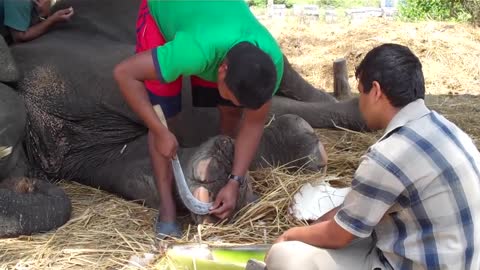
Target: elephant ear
8 68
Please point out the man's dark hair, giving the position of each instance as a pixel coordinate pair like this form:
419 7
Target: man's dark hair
397 70
251 75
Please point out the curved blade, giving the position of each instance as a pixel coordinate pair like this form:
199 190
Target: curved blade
192 203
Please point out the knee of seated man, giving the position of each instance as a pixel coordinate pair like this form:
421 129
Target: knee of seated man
285 256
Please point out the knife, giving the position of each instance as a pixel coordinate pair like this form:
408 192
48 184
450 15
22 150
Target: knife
192 203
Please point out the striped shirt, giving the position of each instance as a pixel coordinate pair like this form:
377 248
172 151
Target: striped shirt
418 190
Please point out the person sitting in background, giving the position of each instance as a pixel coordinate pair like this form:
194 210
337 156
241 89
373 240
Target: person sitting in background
25 20
414 199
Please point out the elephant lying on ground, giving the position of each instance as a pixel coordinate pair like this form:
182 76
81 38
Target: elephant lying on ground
79 128
29 205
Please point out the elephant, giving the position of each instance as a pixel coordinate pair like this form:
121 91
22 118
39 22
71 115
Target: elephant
67 119
27 205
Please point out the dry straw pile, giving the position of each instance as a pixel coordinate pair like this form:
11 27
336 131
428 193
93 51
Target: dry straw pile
448 51
105 231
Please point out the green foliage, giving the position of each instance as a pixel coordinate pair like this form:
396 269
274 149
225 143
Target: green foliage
334 3
348 3
443 10
473 9
257 3
288 3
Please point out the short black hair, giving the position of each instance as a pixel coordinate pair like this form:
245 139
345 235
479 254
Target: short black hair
397 70
251 75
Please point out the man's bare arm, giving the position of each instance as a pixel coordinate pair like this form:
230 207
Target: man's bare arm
326 234
327 216
41 28
248 138
130 74
246 144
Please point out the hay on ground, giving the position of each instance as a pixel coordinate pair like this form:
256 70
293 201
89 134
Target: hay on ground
448 51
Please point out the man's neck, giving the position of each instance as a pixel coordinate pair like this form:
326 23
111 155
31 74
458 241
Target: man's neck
388 115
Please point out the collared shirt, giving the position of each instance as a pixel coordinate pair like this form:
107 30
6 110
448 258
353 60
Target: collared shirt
417 189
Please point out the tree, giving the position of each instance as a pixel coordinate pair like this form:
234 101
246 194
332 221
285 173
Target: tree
436 9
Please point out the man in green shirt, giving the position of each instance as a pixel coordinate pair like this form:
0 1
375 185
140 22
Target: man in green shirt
25 20
235 65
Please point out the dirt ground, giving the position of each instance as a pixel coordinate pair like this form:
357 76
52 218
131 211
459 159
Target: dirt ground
449 52
105 231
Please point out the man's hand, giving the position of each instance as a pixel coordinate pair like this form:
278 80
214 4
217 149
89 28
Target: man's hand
226 200
42 27
289 235
166 144
43 7
62 15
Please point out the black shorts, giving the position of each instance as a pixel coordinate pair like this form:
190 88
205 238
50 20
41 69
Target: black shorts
202 96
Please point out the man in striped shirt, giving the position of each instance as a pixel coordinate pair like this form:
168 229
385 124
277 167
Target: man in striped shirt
414 200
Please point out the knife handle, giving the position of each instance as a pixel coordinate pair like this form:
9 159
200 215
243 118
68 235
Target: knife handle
159 112
160 115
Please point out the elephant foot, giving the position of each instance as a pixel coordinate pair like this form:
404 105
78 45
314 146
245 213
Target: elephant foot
30 206
207 173
291 142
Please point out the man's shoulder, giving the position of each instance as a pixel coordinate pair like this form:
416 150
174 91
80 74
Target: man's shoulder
431 137
432 128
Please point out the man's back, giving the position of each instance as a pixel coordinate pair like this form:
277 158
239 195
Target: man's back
206 30
435 220
201 16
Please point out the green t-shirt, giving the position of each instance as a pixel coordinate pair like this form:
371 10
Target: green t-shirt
200 33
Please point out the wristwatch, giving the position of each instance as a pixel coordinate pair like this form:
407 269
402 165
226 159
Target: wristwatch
240 179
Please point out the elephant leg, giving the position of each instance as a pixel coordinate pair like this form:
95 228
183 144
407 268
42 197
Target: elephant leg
27 205
9 161
123 169
8 69
290 141
294 86
322 115
12 129
206 171
30 206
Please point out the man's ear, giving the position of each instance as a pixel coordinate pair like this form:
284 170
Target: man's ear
376 91
223 67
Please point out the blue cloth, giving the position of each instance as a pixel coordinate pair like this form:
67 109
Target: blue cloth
167 229
16 14
171 106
